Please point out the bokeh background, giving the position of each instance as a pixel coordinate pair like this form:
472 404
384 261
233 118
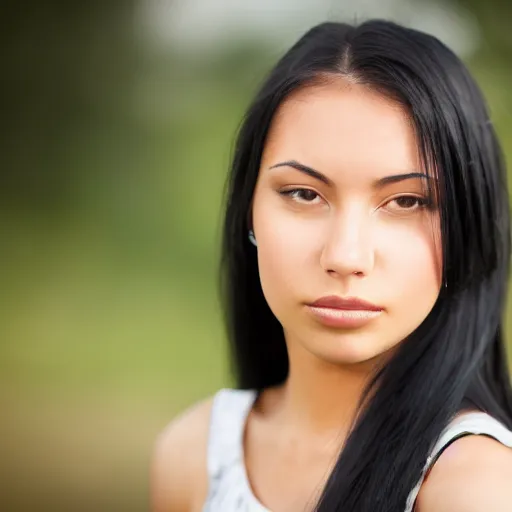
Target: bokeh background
117 123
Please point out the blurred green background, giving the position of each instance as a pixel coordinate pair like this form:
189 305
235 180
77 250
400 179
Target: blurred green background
118 124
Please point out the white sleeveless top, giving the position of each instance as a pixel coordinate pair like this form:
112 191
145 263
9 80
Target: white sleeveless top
229 487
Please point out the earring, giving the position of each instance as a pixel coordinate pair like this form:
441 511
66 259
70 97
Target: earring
251 238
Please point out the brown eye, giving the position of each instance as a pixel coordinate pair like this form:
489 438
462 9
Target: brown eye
407 202
301 195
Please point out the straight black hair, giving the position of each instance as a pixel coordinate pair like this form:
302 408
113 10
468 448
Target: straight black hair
456 357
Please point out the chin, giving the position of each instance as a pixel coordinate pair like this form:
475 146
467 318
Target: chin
350 349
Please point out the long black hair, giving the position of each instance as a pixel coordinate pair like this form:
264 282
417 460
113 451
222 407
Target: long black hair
456 357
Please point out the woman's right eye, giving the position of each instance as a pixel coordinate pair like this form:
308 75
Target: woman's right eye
301 195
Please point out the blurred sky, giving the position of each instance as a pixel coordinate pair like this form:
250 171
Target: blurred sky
207 25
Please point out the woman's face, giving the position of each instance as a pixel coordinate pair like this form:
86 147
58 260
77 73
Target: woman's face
341 209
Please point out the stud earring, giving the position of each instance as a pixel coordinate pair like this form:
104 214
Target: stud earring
251 238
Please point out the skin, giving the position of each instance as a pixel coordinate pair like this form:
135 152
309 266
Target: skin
351 238
347 234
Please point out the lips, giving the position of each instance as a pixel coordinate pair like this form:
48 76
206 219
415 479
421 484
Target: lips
349 303
344 313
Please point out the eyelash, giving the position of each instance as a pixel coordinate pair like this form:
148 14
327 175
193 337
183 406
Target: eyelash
421 202
289 193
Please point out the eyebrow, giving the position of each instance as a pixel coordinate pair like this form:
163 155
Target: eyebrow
386 180
306 170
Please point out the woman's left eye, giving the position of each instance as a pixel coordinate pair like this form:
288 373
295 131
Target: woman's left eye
407 203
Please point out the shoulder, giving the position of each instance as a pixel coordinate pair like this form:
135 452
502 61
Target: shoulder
179 479
472 475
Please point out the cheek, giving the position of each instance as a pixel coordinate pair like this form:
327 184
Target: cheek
288 258
413 257
284 262
284 251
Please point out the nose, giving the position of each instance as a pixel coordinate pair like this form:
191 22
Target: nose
348 247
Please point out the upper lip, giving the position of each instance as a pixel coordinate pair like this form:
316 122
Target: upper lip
354 303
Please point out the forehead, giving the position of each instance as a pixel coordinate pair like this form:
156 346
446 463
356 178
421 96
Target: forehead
342 126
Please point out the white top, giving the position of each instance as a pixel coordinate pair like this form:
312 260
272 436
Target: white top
229 487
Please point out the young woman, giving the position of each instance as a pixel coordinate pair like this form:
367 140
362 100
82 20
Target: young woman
366 253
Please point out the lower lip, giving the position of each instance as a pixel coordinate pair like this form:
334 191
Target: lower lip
344 318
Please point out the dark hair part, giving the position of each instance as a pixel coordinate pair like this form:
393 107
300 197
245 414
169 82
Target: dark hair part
456 357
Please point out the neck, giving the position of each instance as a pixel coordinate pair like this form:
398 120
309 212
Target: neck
320 397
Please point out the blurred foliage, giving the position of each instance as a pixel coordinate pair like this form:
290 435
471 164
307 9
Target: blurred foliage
114 161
